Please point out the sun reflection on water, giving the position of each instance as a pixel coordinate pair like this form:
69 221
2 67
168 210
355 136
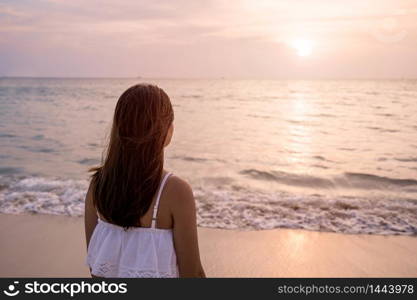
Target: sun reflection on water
299 143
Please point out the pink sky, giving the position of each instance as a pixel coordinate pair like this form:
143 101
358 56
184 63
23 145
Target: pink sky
208 39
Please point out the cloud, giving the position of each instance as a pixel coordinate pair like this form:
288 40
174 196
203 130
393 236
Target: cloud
197 38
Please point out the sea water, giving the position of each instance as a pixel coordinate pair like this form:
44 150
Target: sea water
326 155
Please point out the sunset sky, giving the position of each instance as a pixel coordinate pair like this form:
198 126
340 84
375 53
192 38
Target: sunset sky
209 39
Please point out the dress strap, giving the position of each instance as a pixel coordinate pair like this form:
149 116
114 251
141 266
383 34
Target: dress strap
155 208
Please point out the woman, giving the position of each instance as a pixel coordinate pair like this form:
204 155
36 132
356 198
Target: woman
140 220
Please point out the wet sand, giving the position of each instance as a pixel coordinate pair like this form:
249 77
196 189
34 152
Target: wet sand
54 246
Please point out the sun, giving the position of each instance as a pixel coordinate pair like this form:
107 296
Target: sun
304 47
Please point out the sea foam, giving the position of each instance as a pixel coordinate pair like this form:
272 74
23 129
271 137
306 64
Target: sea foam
231 207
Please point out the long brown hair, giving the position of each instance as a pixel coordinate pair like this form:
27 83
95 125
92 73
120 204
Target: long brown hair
124 185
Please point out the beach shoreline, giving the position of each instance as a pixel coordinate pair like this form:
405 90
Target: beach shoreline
54 246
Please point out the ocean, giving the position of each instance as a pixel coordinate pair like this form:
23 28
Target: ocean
323 155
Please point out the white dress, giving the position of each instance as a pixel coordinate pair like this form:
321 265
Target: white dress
135 252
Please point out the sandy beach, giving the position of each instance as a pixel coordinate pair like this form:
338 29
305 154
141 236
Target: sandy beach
54 246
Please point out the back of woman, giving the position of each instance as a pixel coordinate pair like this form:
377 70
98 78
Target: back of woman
140 220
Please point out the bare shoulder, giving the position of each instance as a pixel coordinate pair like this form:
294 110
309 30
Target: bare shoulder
178 187
179 192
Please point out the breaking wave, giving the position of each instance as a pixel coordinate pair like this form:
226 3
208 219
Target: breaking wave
347 180
236 207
